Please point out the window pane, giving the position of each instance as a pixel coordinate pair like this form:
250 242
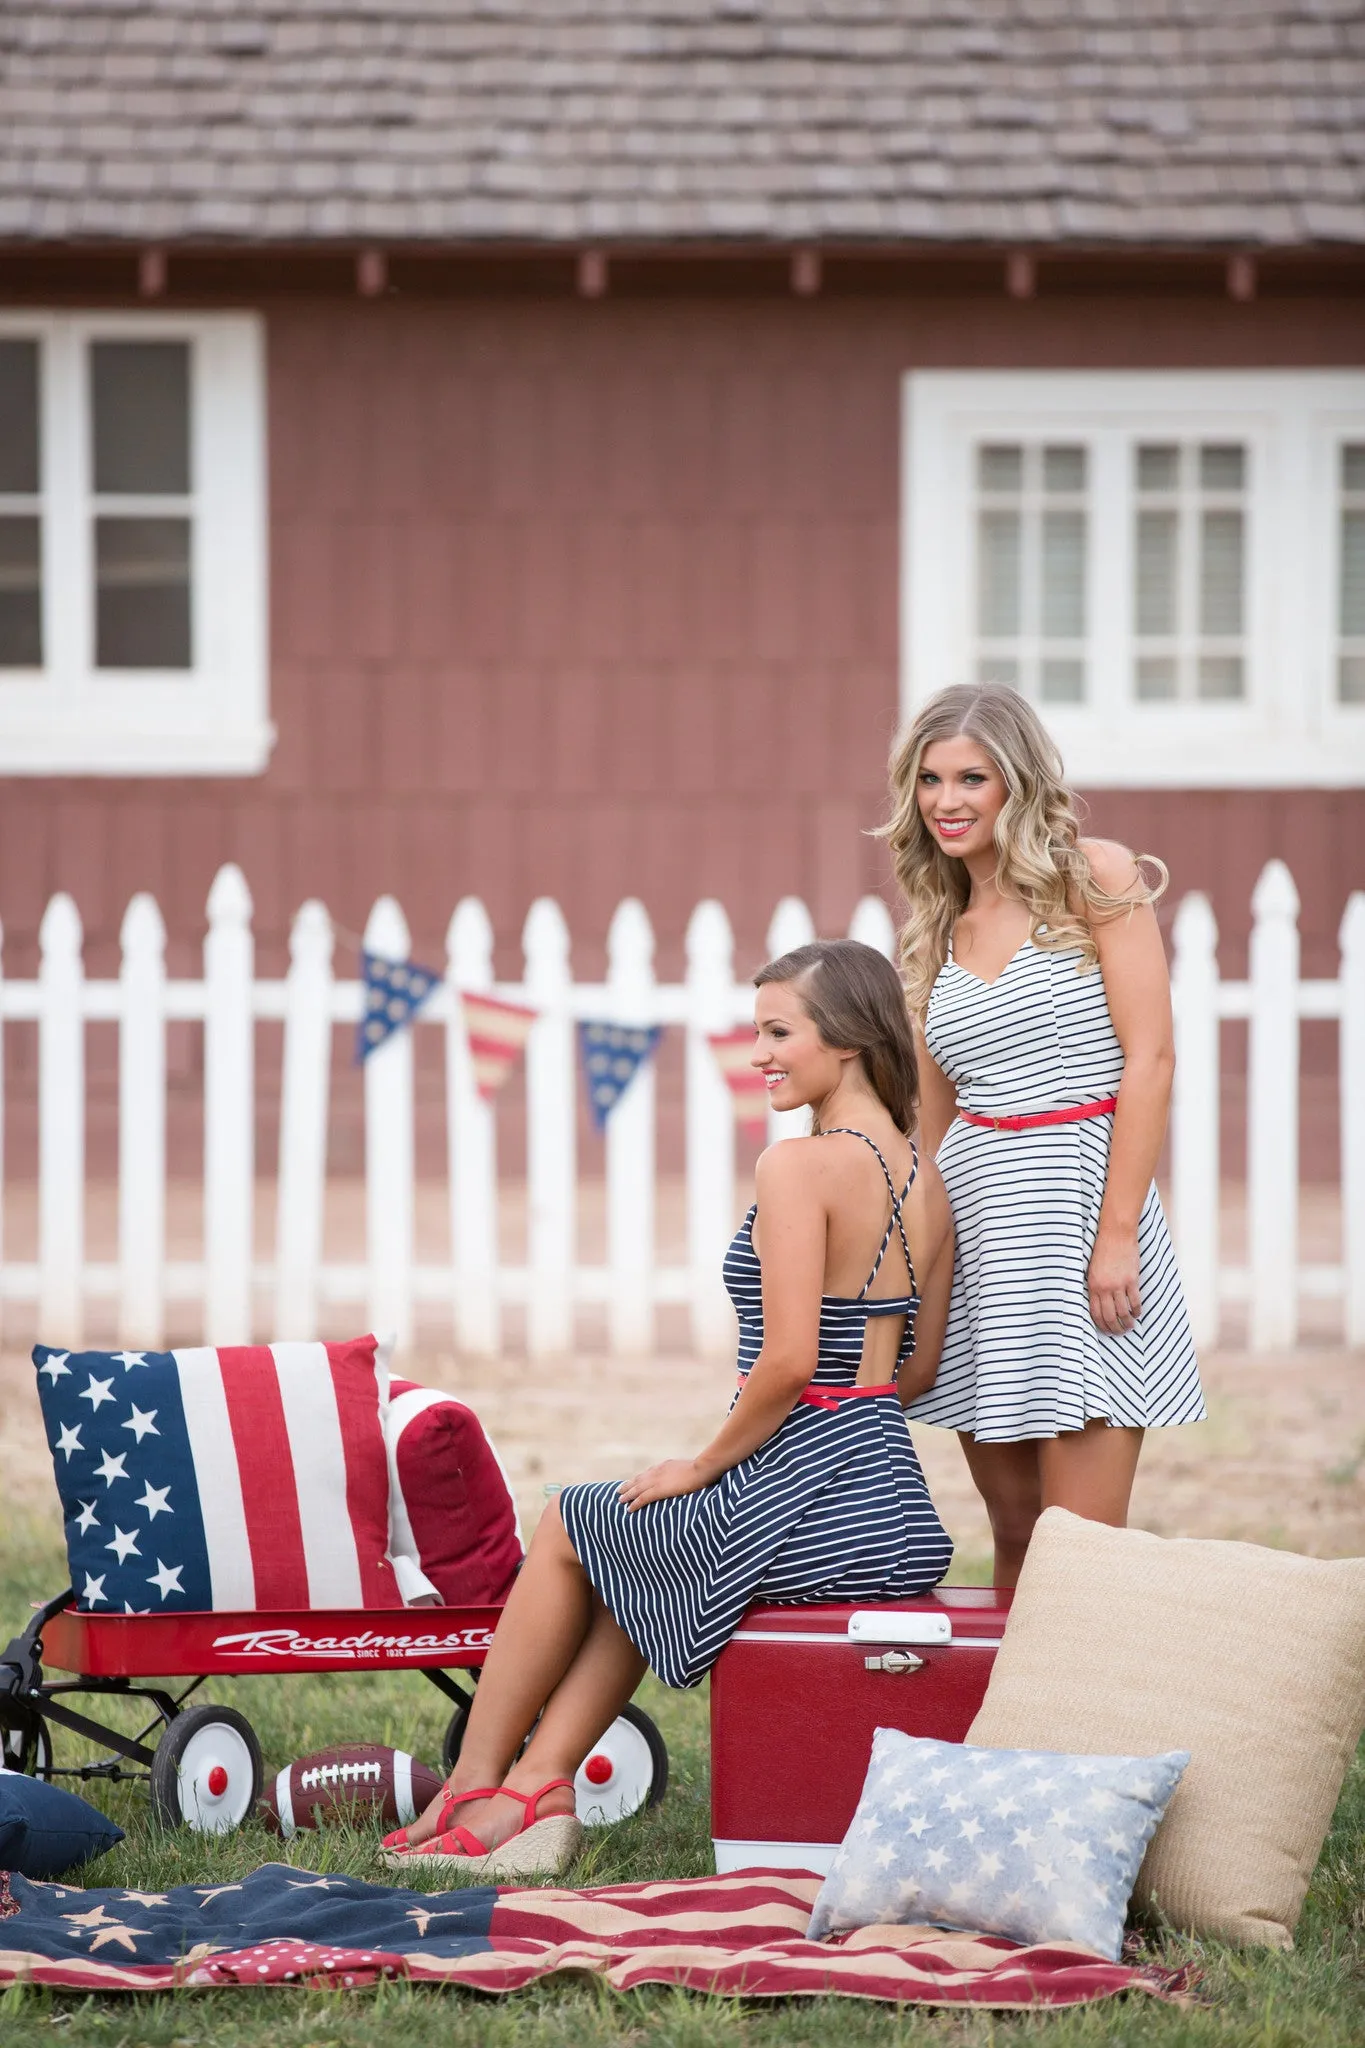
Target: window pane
1221 469
997 602
1064 575
1061 682
1220 573
21 584
1063 469
140 398
1155 678
1353 574
1220 675
142 593
1156 572
1353 467
997 668
1158 468
19 416
1351 679
1000 469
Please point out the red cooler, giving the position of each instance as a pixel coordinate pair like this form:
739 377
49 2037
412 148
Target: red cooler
797 1693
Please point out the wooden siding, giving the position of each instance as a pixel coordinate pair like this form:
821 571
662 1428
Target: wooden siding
595 598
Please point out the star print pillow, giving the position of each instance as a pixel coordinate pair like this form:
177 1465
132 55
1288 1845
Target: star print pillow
250 1479
1019 1842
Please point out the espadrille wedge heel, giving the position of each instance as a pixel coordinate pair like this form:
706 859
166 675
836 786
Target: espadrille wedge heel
539 1848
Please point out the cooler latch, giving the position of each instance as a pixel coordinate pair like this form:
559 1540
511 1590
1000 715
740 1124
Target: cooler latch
894 1662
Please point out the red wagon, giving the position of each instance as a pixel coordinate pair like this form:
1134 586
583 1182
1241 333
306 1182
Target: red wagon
203 1763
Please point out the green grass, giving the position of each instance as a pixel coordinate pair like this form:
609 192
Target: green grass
1312 1998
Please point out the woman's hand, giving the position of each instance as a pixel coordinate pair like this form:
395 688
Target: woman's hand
1112 1278
667 1481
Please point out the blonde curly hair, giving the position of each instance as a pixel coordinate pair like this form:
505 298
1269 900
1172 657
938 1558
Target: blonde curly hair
1037 838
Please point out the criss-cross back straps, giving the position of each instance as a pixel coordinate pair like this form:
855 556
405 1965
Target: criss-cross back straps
895 1221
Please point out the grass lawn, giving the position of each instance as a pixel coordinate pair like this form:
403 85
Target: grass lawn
1314 1996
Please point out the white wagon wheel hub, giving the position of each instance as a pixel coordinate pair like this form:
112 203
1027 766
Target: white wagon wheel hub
214 1776
615 1779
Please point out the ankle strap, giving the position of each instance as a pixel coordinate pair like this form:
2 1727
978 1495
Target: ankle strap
531 1800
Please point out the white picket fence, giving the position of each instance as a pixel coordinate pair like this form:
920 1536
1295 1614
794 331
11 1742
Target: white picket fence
475 1283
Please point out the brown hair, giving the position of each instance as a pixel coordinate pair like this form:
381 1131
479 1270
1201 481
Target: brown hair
853 996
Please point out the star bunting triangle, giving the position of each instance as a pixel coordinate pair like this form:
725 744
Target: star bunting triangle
612 1056
395 991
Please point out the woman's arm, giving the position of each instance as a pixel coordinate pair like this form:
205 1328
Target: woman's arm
937 1099
790 1188
1136 982
931 1237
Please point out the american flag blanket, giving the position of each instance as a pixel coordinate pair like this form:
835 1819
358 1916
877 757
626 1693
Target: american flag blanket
742 1936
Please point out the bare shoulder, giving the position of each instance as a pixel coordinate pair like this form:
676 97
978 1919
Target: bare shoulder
790 1165
1114 867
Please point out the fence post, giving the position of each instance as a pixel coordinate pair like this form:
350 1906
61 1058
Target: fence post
389 1163
710 1127
305 1090
630 1144
1273 1111
871 925
61 1125
1195 1113
1352 1058
229 1110
791 927
551 1117
142 1125
472 1144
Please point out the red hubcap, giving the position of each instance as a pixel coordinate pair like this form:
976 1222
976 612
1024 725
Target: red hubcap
218 1781
597 1769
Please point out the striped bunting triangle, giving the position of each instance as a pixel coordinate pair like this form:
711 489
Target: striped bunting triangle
741 1936
497 1034
748 1096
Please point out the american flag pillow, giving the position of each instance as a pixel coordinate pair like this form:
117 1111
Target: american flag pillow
249 1478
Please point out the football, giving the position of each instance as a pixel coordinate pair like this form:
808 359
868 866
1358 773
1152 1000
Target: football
359 1782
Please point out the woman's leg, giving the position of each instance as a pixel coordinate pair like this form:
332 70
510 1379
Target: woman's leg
1091 1470
548 1614
1007 1478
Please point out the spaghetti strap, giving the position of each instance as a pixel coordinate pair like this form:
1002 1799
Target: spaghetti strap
895 1220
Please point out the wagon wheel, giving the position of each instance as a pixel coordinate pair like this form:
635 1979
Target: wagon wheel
25 1742
627 1769
454 1736
206 1773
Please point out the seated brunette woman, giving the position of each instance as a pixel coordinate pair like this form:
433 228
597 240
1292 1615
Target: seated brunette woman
811 1490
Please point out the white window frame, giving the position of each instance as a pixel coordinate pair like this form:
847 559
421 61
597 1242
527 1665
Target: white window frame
1289 729
70 718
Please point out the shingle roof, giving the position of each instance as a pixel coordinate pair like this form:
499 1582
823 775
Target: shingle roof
1167 122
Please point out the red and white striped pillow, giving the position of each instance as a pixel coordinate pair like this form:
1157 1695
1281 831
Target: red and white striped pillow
454 1537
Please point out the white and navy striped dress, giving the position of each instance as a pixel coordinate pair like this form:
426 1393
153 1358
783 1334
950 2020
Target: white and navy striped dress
1022 1357
832 1507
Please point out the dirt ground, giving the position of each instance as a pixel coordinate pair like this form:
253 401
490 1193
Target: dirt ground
1281 1459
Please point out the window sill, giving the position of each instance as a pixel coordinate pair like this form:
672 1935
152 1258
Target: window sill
1205 746
102 733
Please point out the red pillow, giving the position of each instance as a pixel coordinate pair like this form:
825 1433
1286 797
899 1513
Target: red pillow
453 1530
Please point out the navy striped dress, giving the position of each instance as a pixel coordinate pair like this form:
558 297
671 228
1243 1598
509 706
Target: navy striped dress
1022 1357
832 1507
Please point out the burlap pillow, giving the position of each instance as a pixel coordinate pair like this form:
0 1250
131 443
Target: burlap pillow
1121 1643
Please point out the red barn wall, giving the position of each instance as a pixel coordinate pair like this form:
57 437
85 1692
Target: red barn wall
597 598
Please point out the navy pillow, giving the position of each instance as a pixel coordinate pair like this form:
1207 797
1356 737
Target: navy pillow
44 1831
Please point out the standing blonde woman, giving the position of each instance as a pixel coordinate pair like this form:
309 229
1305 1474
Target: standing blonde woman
1035 971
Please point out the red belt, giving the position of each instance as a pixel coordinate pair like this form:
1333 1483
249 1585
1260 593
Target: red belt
833 1397
1077 1113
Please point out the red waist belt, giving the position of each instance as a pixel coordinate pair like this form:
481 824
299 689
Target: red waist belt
833 1397
1077 1113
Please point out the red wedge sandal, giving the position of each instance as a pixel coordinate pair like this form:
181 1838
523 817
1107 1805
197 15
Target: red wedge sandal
539 1848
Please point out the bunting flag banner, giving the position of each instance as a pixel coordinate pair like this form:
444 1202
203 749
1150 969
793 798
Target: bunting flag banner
613 1055
395 991
497 1034
742 1936
748 1094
